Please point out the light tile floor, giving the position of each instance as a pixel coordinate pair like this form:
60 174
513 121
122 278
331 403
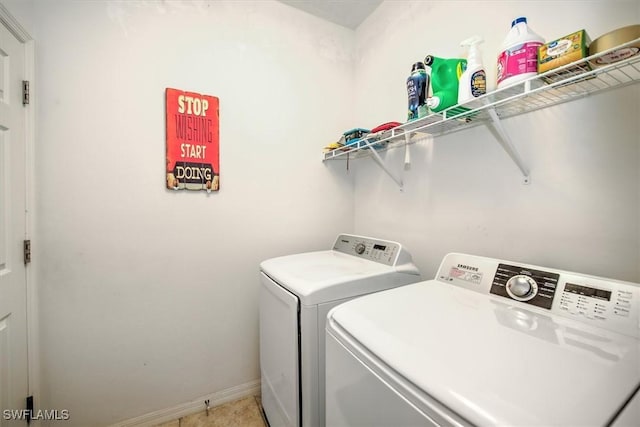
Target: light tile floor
240 413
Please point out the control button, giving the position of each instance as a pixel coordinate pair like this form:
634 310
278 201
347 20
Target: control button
521 287
360 247
621 312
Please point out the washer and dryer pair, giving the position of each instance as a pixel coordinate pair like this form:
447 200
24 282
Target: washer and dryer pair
487 342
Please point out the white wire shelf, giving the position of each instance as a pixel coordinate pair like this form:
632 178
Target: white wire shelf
563 84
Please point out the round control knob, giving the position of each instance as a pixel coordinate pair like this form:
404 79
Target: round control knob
521 287
360 248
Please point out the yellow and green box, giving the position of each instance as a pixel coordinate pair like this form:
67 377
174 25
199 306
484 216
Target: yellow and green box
562 51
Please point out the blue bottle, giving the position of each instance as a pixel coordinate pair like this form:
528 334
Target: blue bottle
417 89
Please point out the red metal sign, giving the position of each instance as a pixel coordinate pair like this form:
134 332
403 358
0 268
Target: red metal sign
193 141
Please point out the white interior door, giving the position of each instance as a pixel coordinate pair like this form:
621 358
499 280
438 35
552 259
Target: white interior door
13 290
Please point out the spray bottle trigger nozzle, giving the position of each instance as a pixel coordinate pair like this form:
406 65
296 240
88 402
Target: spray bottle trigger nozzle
472 41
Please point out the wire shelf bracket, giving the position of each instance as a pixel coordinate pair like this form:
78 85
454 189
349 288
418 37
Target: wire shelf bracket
508 146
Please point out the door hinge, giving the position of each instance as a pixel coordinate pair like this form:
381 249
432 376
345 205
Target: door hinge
29 409
27 251
25 92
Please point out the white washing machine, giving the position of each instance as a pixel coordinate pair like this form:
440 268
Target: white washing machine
487 343
296 294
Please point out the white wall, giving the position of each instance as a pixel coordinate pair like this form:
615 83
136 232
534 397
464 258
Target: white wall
149 298
581 211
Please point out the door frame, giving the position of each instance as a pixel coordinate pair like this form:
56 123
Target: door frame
33 347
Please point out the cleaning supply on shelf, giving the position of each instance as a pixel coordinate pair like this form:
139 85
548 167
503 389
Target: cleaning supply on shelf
473 81
417 90
445 77
518 59
562 51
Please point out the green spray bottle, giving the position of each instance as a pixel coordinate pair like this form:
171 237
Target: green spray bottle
445 77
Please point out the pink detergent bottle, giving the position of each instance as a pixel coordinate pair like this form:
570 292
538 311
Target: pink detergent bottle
518 57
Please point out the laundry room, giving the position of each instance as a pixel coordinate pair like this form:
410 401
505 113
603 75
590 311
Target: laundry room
143 300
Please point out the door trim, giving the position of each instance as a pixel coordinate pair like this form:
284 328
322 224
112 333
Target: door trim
33 347
13 25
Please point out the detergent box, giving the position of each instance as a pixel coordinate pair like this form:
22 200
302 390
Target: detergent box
562 51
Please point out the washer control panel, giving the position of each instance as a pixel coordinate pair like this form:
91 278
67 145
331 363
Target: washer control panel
382 251
607 303
598 302
533 286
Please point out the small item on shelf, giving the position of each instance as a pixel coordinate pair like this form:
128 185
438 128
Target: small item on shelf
518 58
339 145
376 134
611 40
473 82
417 90
354 135
445 77
385 126
562 51
332 146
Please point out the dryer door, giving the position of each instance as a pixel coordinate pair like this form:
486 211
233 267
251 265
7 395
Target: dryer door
279 354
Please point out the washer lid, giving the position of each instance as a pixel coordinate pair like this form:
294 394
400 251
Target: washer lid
489 361
317 277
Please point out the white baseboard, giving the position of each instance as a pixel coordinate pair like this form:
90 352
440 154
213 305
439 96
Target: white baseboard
251 388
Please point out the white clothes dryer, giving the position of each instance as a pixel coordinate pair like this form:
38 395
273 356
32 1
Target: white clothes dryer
487 343
296 294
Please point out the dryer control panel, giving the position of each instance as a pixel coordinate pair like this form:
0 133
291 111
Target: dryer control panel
607 303
382 251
